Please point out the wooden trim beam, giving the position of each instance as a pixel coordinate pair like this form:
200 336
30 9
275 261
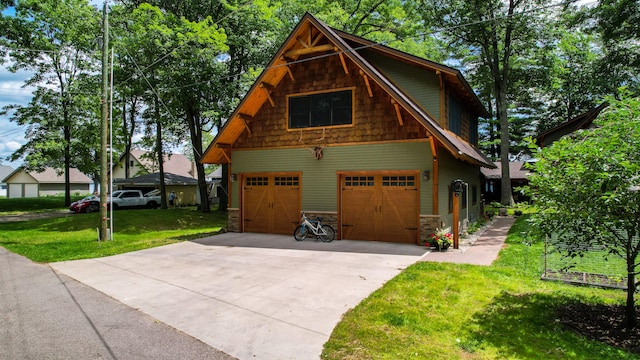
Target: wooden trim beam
273 104
226 154
310 50
303 43
442 98
290 73
435 174
317 39
344 64
267 89
245 121
267 86
366 82
434 147
398 113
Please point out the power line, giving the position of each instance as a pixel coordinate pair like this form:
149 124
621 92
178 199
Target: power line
383 43
10 133
8 48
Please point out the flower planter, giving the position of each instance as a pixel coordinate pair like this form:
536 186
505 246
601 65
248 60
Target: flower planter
440 240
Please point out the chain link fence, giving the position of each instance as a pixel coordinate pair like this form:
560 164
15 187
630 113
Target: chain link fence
582 264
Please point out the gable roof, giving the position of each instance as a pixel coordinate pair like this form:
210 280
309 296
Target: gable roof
177 164
517 171
451 76
582 121
305 39
5 171
154 179
50 176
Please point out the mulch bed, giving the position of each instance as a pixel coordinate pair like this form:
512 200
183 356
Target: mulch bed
603 323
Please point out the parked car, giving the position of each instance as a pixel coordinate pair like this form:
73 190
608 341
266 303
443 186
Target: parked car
87 204
134 198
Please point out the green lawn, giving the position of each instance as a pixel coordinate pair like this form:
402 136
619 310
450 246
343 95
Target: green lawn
39 204
429 311
450 311
75 237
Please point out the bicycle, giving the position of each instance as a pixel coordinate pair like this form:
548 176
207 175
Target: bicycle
323 232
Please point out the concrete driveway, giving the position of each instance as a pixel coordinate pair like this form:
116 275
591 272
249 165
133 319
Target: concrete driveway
253 296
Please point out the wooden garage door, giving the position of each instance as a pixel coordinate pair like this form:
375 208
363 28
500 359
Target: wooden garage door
271 203
383 207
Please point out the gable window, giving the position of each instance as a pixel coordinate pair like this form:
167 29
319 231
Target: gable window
323 109
455 116
473 131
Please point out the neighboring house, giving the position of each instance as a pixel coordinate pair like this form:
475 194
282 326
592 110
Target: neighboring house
186 188
215 175
4 172
368 137
23 184
143 162
214 184
492 181
583 121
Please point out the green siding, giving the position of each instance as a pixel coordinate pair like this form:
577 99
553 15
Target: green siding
319 177
421 84
452 169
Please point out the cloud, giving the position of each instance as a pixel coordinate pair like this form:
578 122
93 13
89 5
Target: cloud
12 145
11 87
12 93
7 148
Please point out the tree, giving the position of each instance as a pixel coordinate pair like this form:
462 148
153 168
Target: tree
617 22
569 82
176 59
129 88
55 40
394 23
587 187
497 36
252 35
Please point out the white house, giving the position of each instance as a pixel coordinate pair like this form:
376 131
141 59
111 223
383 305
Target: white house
22 183
4 172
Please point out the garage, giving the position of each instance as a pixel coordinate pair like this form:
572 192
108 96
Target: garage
380 206
271 202
15 191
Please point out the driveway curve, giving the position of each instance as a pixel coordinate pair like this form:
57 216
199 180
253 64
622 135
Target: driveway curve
253 296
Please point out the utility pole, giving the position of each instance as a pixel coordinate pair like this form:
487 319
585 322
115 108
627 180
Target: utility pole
104 124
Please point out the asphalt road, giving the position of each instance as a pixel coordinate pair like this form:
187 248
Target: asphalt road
47 315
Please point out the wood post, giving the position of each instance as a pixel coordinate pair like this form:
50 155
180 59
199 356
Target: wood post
456 218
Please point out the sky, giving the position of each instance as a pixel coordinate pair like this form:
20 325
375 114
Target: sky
12 136
11 92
